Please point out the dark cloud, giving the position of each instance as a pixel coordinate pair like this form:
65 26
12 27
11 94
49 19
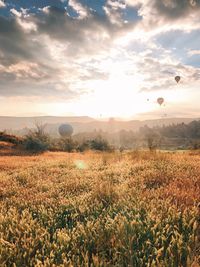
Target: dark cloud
27 64
30 79
56 91
88 35
175 9
179 14
16 44
83 36
13 41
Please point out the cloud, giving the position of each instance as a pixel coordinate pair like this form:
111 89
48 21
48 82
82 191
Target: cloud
58 54
75 29
14 44
30 79
2 3
165 15
193 52
173 10
113 10
162 74
48 92
15 12
94 74
79 8
37 59
89 36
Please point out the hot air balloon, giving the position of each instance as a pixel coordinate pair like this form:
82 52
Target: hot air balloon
160 100
65 130
177 78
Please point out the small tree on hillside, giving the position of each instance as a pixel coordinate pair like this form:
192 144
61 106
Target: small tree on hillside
37 140
100 144
68 144
152 137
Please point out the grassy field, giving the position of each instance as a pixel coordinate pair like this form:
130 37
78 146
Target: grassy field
98 209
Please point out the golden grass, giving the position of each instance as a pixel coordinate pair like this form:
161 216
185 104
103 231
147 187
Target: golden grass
99 209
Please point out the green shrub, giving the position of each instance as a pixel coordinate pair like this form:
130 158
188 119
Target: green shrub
99 144
10 138
34 144
68 145
37 140
83 146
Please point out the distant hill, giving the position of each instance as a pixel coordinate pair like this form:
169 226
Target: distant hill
20 125
16 123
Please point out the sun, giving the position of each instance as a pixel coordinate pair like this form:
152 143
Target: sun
116 97
119 96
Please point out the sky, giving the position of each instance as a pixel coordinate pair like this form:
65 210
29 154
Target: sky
102 58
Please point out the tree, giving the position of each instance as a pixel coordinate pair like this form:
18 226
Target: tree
37 140
68 145
100 144
152 137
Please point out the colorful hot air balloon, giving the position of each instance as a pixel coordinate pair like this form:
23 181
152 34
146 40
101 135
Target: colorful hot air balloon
177 78
160 100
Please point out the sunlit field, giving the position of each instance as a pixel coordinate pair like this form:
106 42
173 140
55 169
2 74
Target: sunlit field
100 209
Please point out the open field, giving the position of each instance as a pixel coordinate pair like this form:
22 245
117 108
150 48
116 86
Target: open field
100 209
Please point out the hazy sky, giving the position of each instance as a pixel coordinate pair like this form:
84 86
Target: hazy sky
100 58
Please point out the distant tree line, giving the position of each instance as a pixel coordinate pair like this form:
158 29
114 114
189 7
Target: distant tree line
188 134
191 130
181 136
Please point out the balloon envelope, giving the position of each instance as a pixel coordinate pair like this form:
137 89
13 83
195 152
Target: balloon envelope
65 130
177 78
160 100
